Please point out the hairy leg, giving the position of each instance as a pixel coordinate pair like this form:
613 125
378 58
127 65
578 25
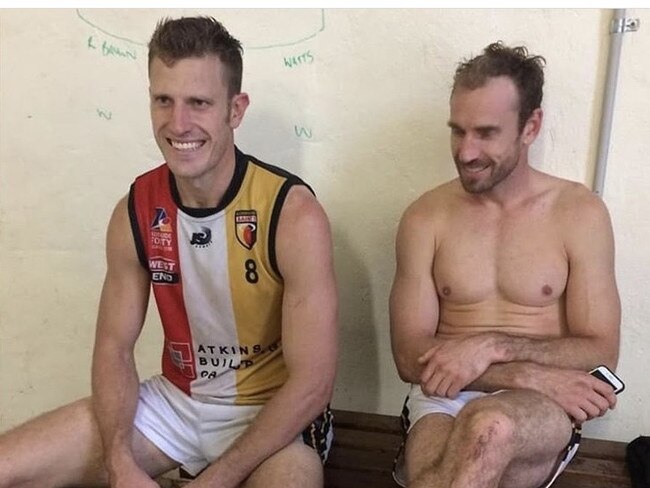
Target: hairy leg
509 440
545 433
426 443
295 466
63 448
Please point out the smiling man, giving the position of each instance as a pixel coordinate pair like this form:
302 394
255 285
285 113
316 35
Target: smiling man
504 297
238 254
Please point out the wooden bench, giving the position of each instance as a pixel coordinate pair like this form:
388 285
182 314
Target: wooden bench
365 445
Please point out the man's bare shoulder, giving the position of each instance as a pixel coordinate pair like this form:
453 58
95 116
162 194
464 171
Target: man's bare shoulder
434 203
424 219
578 205
577 210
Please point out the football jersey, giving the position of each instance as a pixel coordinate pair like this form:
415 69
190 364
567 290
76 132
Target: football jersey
216 281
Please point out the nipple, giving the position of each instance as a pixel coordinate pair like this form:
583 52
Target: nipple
547 290
446 291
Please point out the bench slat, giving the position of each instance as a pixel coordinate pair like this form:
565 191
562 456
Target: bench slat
373 422
342 478
597 448
582 480
345 437
610 468
360 460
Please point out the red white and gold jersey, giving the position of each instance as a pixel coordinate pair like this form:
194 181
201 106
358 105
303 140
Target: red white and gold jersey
216 282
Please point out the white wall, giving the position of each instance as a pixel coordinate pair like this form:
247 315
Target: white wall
370 93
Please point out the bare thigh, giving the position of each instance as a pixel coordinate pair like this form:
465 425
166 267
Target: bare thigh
426 442
63 448
295 466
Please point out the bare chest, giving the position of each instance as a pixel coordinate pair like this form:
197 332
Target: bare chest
518 259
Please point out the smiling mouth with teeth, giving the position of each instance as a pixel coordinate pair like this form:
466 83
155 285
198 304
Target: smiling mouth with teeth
185 146
475 169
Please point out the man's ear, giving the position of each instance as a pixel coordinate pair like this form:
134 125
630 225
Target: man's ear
238 105
532 127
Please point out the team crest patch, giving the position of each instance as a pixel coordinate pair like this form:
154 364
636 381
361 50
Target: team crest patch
246 227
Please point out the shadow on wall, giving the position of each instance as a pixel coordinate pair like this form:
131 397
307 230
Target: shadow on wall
357 382
388 164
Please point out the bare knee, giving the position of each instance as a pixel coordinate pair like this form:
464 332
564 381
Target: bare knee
487 428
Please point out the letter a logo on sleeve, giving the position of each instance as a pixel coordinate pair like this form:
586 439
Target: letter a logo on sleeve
161 222
246 227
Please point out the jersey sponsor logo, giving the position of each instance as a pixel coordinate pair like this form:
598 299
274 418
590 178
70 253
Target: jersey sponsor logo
161 222
181 356
246 227
202 239
161 230
163 270
213 359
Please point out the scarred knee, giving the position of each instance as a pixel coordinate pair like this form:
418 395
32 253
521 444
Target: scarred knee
488 429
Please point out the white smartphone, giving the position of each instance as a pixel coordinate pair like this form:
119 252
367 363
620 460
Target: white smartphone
605 374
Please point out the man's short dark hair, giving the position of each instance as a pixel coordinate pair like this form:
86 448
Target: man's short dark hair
195 37
526 72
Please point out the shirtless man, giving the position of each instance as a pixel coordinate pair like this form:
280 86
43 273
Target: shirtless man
238 254
504 297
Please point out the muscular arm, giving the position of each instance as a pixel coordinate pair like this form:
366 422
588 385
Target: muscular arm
309 341
413 298
114 378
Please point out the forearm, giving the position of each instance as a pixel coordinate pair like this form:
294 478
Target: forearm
115 388
581 353
505 376
492 361
520 359
278 424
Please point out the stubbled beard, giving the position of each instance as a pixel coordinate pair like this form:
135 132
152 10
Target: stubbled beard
497 175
